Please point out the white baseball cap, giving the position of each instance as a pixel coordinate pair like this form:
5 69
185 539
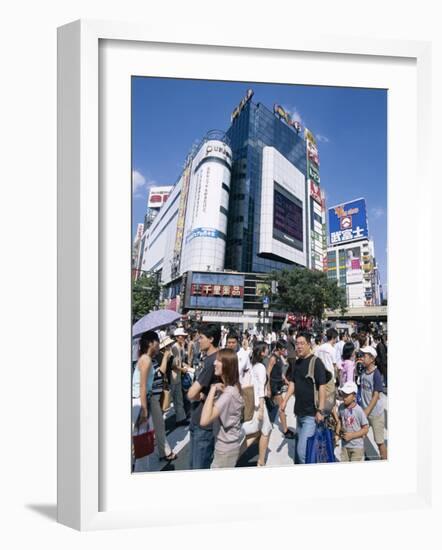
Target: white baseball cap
180 332
370 350
348 388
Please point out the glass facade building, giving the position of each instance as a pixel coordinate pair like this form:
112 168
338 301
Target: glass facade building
254 128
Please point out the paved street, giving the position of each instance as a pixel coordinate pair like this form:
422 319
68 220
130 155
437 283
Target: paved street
280 452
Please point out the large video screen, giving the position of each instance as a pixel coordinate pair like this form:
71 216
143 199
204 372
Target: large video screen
287 218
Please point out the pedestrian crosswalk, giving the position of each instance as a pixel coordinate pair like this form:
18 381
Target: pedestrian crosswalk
281 451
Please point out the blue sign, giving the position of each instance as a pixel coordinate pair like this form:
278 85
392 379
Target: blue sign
348 222
205 232
265 300
215 291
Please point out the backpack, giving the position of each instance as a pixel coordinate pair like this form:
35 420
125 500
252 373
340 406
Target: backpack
330 387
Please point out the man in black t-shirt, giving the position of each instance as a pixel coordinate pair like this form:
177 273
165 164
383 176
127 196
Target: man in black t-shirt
202 441
307 412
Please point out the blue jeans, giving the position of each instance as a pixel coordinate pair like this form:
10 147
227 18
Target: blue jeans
202 444
305 428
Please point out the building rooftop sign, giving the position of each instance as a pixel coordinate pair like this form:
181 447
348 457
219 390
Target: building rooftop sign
241 106
348 222
282 113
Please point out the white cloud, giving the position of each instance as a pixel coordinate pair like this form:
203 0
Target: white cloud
377 212
138 181
140 184
294 114
322 139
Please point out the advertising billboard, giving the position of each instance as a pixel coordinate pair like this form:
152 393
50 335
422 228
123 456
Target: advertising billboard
283 114
348 222
207 209
176 259
283 230
287 218
353 265
139 233
236 112
315 192
158 196
215 291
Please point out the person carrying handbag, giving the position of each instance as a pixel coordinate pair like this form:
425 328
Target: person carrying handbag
306 388
149 373
260 424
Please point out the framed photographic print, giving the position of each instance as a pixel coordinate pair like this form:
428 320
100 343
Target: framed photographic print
191 176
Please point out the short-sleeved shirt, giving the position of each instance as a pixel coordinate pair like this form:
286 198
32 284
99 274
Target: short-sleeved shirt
244 367
259 374
304 391
347 371
227 427
371 382
352 420
327 353
195 353
206 377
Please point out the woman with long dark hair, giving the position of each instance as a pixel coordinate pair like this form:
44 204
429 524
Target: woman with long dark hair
147 386
224 408
260 422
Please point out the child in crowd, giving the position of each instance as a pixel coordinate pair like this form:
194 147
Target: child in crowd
371 398
353 424
347 367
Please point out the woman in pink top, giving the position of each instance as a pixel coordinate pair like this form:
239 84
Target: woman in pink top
347 370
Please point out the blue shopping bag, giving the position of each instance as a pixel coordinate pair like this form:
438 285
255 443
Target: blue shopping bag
320 447
359 396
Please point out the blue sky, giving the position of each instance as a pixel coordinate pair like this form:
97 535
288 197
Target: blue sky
350 125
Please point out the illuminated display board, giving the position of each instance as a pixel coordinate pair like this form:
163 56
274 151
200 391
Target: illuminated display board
287 218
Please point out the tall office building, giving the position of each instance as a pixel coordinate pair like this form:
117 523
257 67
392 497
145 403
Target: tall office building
267 206
351 256
248 202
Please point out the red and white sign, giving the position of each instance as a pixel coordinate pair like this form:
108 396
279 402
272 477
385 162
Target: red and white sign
158 196
232 291
346 222
315 192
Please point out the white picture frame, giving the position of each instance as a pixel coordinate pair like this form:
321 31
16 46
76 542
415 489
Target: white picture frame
83 296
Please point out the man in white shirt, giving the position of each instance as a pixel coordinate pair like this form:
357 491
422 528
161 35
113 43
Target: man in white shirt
327 353
244 364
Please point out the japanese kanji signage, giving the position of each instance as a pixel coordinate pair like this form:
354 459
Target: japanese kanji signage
215 291
348 222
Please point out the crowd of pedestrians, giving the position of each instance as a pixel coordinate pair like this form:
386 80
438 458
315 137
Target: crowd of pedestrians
230 387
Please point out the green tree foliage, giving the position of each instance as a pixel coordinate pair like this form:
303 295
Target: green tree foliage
145 295
307 292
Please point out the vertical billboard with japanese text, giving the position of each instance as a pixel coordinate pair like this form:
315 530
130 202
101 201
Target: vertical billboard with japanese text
348 222
353 265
